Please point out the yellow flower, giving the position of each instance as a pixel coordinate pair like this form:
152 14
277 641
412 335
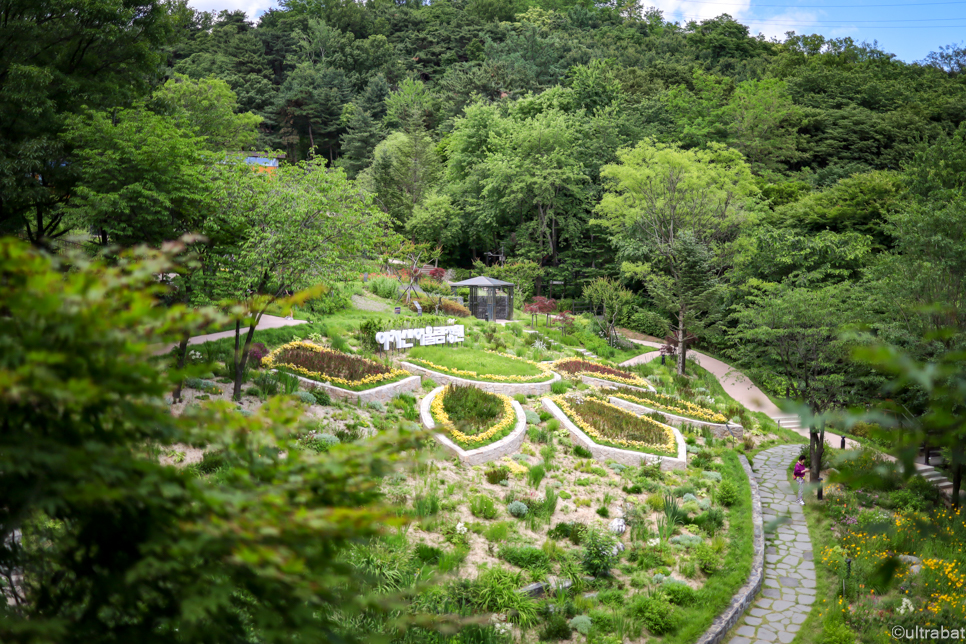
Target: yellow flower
270 362
507 420
669 444
545 372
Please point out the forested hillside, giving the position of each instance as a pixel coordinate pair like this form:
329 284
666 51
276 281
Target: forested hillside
723 178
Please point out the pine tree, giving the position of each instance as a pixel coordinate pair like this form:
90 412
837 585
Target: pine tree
362 135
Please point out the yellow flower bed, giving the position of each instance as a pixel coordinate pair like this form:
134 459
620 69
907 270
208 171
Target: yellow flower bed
507 421
669 445
514 467
673 405
472 375
271 362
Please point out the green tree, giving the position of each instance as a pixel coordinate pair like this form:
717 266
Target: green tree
797 334
659 193
362 135
109 544
56 58
404 170
142 179
613 299
304 226
763 124
207 108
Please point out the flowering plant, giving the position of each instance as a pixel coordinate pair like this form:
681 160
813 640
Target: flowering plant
577 367
609 424
507 420
544 374
663 402
320 363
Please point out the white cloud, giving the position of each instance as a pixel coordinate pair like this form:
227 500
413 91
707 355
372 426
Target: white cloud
776 26
683 12
252 8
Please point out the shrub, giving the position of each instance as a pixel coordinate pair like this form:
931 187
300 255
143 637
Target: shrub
644 321
556 628
680 594
711 521
711 476
211 461
527 557
633 489
495 590
322 397
518 509
582 452
520 398
708 560
728 493
655 502
581 624
604 512
684 490
545 415
446 307
598 554
307 397
560 531
559 387
256 352
385 287
496 474
655 612
482 506
319 442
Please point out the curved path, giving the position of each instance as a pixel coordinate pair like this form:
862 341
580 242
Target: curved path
267 322
788 590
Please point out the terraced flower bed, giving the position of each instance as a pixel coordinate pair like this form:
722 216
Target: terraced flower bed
608 424
577 367
319 363
484 366
669 404
472 417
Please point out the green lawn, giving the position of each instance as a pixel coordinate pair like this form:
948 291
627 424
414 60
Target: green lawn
475 360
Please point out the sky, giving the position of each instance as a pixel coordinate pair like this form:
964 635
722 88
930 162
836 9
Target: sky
908 30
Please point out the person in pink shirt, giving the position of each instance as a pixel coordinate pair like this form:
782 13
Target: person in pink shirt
799 475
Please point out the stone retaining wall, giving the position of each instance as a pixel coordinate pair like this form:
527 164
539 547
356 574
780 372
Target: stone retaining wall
623 456
507 445
719 430
600 382
506 388
382 394
747 593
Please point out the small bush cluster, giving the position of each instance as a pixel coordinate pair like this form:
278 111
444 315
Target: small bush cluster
518 509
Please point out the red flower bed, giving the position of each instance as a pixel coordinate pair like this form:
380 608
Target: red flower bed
331 363
582 366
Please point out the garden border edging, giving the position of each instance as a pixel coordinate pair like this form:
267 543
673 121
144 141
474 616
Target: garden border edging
507 445
622 456
724 622
381 394
505 388
718 429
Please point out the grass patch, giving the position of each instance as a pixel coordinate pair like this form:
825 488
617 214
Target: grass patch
721 587
476 364
607 424
472 417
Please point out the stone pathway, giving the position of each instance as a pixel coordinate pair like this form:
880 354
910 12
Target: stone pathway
788 590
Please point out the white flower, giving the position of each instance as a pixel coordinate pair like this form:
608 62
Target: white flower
906 606
460 528
653 542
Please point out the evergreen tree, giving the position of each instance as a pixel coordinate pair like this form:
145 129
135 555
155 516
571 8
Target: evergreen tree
362 135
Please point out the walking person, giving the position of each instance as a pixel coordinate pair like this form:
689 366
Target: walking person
799 475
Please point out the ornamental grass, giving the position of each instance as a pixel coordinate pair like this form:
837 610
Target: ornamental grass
578 367
320 363
608 424
473 417
663 402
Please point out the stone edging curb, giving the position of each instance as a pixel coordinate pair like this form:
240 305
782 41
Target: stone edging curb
506 388
623 456
719 430
747 593
509 444
600 382
381 394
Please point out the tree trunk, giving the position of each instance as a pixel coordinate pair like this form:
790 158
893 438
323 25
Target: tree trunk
682 345
816 443
241 355
182 358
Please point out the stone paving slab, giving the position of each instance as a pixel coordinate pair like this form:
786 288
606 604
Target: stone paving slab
789 588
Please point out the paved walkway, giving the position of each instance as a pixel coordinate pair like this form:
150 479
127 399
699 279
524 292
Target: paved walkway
788 591
267 322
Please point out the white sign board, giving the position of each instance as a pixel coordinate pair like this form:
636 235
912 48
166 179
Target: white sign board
424 336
